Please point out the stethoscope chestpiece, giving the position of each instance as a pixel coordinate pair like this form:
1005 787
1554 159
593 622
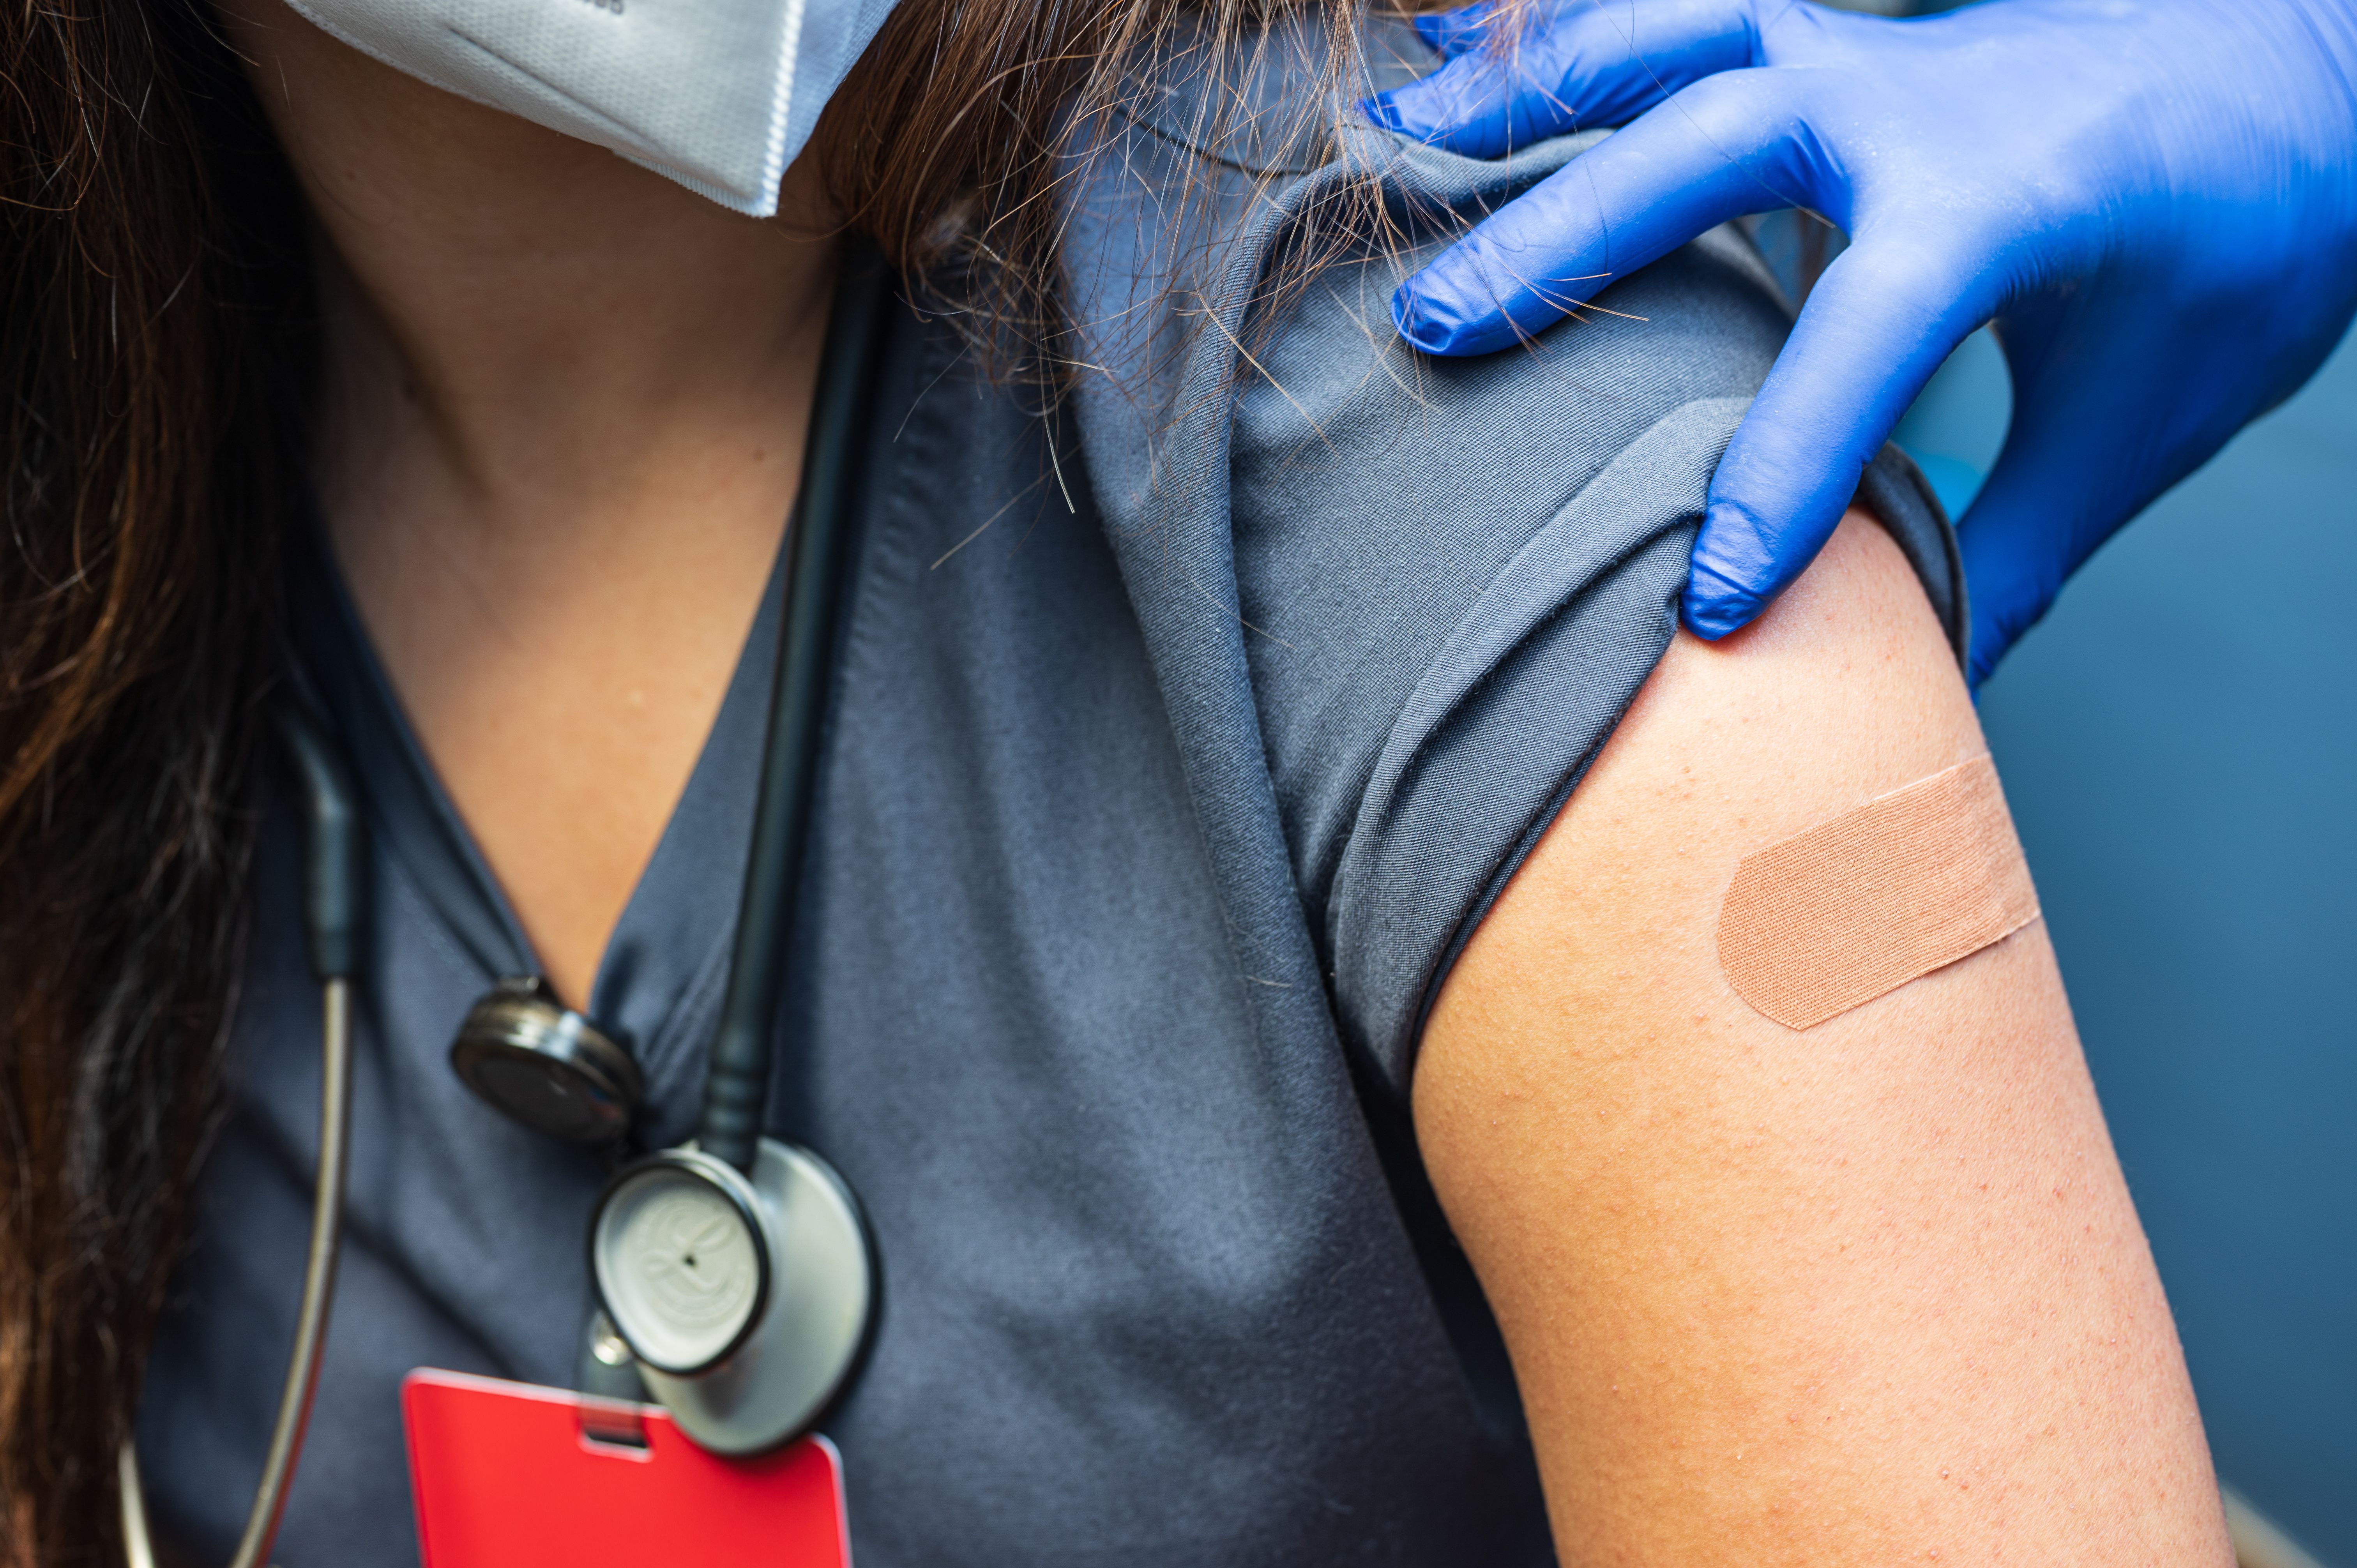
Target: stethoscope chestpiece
746 1297
546 1066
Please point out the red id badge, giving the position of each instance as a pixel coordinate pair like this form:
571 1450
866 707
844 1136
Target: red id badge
509 1475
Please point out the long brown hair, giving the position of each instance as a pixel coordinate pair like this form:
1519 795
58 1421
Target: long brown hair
153 350
158 351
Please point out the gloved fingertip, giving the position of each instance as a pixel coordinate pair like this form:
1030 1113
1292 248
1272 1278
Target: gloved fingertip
1981 656
1714 606
1451 33
1412 109
1455 315
1712 617
2005 606
1416 322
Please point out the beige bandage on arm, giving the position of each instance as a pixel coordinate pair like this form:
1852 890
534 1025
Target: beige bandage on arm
1857 907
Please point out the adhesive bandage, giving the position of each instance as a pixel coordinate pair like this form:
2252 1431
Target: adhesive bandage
1857 907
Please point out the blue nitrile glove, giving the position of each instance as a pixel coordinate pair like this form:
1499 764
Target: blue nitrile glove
2156 200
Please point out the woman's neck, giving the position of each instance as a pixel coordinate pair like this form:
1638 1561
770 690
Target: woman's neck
565 410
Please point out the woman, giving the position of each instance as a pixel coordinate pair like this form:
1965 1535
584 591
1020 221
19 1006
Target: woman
1202 937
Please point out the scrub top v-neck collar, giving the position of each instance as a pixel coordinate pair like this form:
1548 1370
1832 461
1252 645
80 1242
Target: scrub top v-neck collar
659 981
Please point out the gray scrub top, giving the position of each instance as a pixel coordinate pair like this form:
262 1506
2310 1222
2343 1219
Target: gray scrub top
1176 743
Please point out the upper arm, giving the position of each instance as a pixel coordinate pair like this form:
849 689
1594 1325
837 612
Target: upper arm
1873 1291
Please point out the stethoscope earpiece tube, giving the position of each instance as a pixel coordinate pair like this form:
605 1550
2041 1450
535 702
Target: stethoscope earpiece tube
333 863
737 1083
334 868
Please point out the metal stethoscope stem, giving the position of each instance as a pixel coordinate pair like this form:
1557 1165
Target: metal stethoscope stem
311 1320
332 865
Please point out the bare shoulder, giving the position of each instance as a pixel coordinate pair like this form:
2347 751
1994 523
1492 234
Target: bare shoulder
1868 1291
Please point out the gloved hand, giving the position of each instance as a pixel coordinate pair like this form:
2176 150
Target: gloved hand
2156 200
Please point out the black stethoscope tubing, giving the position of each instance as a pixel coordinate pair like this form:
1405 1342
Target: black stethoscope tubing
737 1080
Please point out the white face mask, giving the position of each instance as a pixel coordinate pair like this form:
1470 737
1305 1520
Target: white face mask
718 94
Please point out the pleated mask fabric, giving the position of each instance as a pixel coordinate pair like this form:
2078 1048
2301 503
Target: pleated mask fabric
719 95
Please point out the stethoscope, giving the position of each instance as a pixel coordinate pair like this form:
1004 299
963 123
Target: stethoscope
737 1270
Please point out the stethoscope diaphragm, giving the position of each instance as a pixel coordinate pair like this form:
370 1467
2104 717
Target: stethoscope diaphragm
681 1260
746 1299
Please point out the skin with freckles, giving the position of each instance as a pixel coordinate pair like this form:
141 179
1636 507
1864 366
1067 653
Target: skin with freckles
1870 1292
565 410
